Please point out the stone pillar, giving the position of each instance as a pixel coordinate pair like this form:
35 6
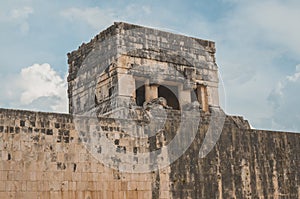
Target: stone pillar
213 95
184 95
151 91
202 90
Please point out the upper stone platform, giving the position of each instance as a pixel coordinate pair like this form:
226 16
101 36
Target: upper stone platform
146 56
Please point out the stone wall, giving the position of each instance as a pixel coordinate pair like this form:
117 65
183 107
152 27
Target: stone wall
244 163
42 156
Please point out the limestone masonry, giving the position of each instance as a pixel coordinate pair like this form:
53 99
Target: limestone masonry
137 88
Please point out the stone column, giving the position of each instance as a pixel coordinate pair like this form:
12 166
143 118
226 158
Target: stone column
151 91
203 96
184 95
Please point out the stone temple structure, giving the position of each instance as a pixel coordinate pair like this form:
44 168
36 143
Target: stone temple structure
144 122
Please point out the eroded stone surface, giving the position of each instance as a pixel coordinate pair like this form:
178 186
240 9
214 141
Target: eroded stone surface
42 156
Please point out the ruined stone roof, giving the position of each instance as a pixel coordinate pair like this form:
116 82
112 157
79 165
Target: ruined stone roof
164 41
117 26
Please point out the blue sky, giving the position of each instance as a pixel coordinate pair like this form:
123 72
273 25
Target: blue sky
258 49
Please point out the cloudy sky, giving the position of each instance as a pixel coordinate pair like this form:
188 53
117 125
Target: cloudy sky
258 49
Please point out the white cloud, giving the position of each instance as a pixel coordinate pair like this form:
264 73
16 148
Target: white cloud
136 11
277 21
94 17
37 87
18 17
100 18
21 13
296 76
147 9
40 80
298 68
286 113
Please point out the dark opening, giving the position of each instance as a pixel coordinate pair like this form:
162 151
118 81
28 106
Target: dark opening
110 91
170 93
139 93
74 167
194 96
